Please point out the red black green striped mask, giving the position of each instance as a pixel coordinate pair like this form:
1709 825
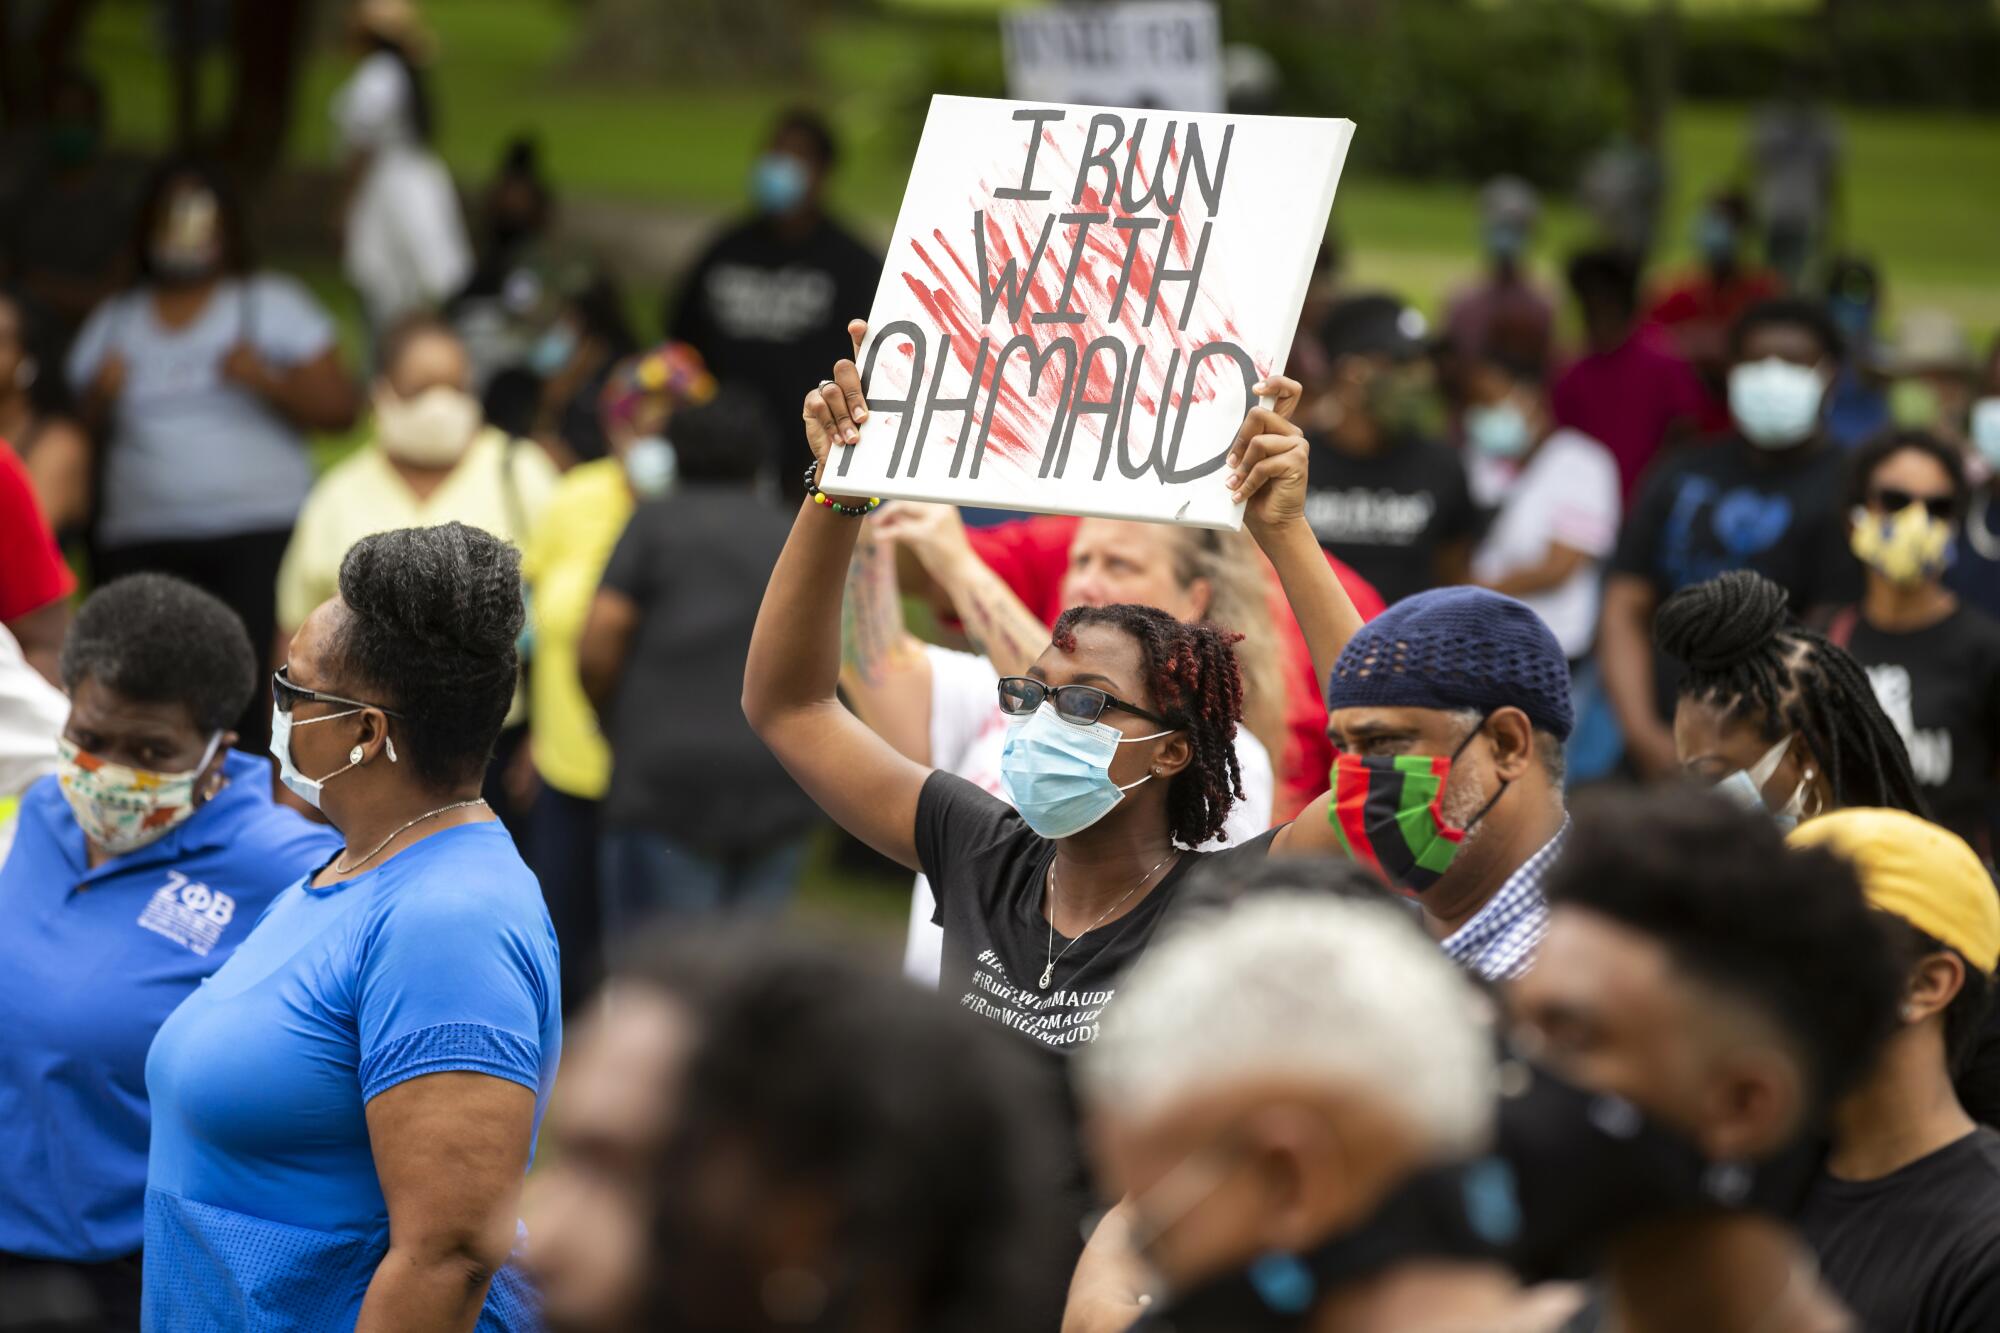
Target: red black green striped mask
1388 812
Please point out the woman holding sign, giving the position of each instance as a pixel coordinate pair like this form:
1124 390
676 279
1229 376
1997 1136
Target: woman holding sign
936 705
1119 756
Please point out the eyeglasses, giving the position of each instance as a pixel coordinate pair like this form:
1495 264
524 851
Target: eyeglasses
1081 704
285 695
1890 500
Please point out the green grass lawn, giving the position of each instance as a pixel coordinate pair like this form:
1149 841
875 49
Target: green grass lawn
1923 191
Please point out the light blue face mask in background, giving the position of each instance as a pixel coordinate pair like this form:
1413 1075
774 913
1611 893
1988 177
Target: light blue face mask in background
778 182
1058 774
1745 788
553 350
1498 431
1986 430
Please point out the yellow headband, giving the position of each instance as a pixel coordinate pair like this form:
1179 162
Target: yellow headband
1918 872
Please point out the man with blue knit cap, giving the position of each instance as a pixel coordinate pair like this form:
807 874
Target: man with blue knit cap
1448 713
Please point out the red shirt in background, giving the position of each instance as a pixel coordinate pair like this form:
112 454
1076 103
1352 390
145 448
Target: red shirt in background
1698 299
32 572
1032 555
1629 398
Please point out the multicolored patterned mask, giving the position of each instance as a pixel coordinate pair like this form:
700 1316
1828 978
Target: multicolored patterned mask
122 809
1908 546
1388 812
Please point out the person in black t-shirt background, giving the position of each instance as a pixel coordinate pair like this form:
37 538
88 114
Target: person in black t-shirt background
763 303
1766 498
1385 497
1934 662
1905 1216
698 817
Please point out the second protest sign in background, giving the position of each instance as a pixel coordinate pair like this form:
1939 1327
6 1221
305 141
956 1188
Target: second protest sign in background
1077 300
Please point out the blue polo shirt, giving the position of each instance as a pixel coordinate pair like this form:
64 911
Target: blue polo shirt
263 1208
91 963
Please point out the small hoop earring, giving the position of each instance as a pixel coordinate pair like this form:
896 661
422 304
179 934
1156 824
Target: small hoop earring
390 742
354 755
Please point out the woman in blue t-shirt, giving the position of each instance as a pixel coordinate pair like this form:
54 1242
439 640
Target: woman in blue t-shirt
345 1113
136 869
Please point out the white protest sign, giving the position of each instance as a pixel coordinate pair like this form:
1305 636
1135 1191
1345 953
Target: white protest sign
1077 301
1153 53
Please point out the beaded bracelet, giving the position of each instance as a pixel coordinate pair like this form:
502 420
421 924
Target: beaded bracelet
820 497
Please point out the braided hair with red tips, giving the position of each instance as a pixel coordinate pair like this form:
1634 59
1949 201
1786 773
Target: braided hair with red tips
1191 673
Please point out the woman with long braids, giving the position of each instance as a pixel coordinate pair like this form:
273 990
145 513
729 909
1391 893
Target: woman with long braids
1120 755
1775 710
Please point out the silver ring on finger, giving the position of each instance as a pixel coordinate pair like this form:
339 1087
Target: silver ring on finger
826 384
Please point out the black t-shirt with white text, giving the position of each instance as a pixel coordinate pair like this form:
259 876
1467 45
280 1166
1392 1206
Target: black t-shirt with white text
1940 686
1710 508
1917 1251
1388 514
771 313
989 871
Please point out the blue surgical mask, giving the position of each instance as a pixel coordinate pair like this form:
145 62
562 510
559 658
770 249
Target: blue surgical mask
552 351
1986 430
1058 774
1498 431
1745 788
651 466
1715 237
1506 240
1775 402
305 788
778 182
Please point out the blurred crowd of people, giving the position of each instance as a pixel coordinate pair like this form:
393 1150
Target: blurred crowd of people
1267 965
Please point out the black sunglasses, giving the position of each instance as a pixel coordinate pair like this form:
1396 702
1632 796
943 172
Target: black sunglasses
1081 704
285 695
1890 500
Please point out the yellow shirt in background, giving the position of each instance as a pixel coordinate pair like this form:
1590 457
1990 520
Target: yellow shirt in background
501 486
563 565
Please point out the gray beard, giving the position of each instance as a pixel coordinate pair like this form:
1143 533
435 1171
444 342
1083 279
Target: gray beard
1461 803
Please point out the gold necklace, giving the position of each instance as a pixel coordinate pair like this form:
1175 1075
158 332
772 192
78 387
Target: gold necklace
1049 971
339 869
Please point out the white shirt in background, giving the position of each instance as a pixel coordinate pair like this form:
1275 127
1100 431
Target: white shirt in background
406 245
968 732
1566 494
32 713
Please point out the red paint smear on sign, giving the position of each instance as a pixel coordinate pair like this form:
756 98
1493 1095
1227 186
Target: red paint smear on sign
945 282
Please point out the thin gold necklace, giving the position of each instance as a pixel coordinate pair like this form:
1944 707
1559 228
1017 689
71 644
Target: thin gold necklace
1049 971
339 869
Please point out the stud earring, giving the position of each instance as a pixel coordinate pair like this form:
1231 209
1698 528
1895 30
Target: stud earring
354 755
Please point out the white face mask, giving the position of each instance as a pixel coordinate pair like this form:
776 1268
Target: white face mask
433 429
305 788
1745 788
1775 402
651 466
